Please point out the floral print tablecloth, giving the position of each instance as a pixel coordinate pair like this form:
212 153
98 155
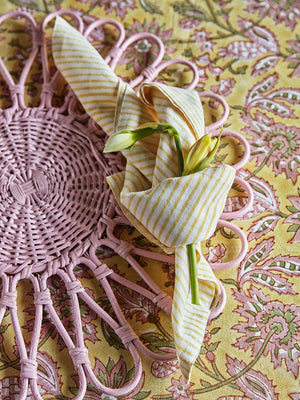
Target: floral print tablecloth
248 52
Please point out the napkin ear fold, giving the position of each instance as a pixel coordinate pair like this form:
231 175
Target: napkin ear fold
177 106
104 96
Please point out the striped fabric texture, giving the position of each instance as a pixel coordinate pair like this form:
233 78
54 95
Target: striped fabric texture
170 211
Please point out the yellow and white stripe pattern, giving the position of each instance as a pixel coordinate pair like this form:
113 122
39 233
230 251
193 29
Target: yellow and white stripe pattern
169 210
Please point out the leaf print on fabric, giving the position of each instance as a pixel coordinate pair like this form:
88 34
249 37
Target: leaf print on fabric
294 218
276 101
264 64
253 384
272 324
265 206
265 272
263 225
294 57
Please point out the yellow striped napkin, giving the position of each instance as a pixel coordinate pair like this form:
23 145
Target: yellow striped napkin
169 210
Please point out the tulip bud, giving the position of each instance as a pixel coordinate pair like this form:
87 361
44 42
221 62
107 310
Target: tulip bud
201 154
122 140
126 139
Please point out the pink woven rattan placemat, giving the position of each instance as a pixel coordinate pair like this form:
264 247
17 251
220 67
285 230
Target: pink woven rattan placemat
56 210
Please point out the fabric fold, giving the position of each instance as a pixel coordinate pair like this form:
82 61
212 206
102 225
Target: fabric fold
169 210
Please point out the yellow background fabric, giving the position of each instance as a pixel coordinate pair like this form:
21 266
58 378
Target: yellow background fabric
247 51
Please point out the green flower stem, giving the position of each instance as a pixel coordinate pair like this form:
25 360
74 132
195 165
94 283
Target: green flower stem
193 273
179 153
190 247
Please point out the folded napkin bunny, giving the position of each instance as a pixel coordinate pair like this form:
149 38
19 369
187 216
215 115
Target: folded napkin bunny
169 210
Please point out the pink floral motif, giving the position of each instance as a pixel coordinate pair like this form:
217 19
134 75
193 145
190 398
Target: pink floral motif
215 254
188 23
294 218
253 384
274 144
271 326
170 270
179 389
224 87
163 369
233 398
201 37
114 375
285 11
48 382
205 65
98 36
243 50
294 396
91 2
141 51
261 41
134 304
118 6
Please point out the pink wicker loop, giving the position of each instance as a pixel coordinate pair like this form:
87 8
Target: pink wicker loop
243 143
48 89
73 15
243 250
17 90
28 368
74 287
219 123
79 356
115 52
43 297
220 306
102 271
190 65
126 334
163 301
150 73
142 36
250 197
9 300
124 249
106 21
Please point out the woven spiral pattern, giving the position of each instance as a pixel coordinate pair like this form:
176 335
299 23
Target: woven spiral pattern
51 187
